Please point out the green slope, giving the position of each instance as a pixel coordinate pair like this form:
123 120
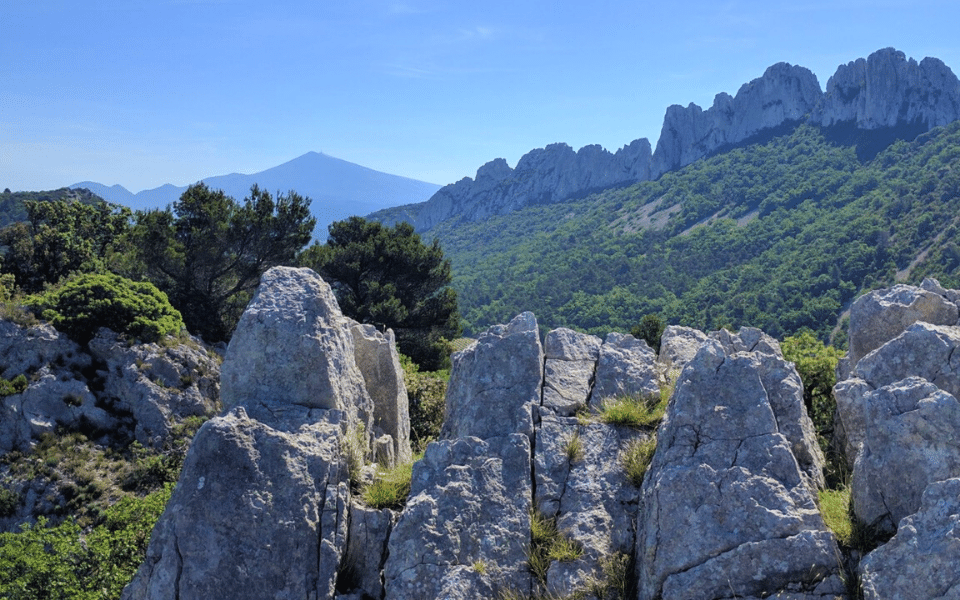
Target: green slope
780 235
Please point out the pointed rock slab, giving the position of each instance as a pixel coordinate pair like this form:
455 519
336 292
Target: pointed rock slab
627 367
495 382
469 505
571 359
293 346
912 431
921 560
678 346
259 512
725 510
379 363
880 316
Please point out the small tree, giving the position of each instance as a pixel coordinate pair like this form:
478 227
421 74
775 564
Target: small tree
388 277
817 365
650 329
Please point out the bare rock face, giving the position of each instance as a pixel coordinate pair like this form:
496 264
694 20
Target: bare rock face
881 315
466 528
886 89
725 492
379 363
569 366
366 550
921 560
261 508
495 383
678 346
274 354
626 367
783 94
912 430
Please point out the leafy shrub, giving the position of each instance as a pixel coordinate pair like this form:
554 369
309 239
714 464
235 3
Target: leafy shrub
9 502
15 386
426 392
90 301
650 330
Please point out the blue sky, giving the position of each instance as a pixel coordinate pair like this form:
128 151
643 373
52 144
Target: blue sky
143 93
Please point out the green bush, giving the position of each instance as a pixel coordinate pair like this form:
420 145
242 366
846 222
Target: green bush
15 386
9 502
88 302
650 330
426 392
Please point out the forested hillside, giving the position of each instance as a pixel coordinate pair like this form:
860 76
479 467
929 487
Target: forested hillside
779 235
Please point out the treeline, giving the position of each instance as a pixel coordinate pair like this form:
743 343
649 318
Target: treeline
780 235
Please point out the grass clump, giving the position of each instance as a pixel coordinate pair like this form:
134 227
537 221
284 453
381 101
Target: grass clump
390 487
548 544
573 448
835 509
634 411
635 459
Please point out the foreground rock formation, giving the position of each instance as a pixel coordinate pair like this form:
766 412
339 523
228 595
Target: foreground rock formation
884 90
266 506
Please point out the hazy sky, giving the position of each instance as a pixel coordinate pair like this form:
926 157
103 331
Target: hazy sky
142 93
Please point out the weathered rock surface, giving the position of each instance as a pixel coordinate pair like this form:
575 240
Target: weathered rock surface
366 550
921 560
379 363
923 350
569 366
274 353
261 508
725 493
626 367
783 94
880 316
466 528
678 346
912 431
495 383
887 89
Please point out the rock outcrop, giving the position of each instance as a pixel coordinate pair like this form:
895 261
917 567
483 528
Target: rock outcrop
885 90
569 368
261 507
725 491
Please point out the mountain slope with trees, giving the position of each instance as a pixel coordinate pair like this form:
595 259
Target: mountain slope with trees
780 235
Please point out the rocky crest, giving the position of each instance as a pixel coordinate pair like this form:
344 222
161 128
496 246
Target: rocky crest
884 90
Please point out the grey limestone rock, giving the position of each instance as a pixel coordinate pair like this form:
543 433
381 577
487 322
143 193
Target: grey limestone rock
259 512
274 354
469 505
912 431
880 316
626 367
379 363
784 94
921 560
678 345
367 548
725 493
887 89
570 362
495 383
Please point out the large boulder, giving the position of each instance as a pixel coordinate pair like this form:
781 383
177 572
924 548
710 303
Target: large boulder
261 508
466 528
626 367
275 352
495 383
881 315
912 431
725 493
569 366
921 560
678 346
379 363
923 350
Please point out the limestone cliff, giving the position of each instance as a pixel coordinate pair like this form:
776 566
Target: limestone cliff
885 90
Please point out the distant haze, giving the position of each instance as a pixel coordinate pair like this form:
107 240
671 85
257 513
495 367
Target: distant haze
338 189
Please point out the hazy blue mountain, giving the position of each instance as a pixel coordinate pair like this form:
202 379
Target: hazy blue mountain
339 189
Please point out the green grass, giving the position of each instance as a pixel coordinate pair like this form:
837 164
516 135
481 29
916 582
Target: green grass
634 411
574 448
391 487
835 508
548 544
635 459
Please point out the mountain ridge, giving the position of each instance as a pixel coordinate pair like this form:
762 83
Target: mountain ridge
885 90
338 188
